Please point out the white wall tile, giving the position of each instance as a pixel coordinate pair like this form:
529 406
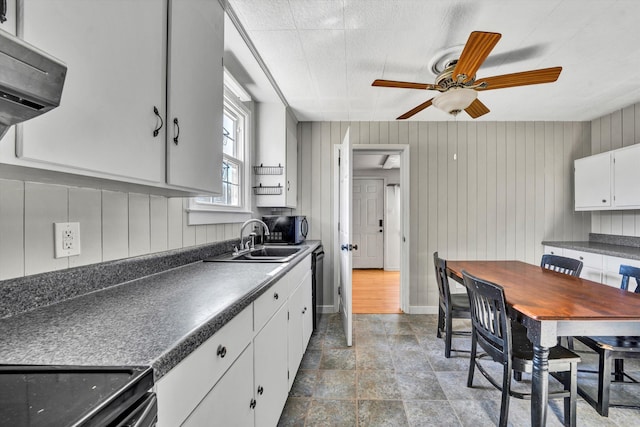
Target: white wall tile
85 207
188 232
139 224
174 218
44 205
201 234
115 225
11 229
159 223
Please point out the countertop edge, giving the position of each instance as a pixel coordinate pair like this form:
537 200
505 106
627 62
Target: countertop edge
597 248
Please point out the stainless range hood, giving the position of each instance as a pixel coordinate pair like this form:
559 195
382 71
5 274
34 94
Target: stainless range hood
31 81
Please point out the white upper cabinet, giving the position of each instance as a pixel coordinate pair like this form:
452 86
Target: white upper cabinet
593 182
115 59
142 100
277 151
195 94
625 177
608 181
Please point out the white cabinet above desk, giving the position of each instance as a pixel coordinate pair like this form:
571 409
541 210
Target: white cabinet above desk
608 181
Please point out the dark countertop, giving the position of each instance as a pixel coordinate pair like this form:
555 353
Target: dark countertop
153 321
621 251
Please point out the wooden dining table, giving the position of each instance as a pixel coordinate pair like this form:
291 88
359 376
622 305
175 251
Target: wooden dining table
553 305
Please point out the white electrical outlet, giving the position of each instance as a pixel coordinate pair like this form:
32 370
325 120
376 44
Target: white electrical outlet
67 239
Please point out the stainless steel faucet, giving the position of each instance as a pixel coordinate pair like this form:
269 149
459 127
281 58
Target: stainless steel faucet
251 244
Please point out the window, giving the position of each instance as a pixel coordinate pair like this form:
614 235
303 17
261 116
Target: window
234 199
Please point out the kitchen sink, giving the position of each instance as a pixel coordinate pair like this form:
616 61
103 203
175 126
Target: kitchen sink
262 254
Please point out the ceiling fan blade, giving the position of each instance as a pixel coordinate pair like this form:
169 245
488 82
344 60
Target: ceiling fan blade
404 85
415 110
533 77
478 47
476 109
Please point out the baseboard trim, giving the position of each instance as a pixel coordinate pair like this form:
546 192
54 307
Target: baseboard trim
423 309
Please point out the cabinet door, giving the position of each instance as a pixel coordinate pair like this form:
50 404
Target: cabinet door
307 311
195 95
593 182
115 54
229 402
270 362
295 330
292 168
625 177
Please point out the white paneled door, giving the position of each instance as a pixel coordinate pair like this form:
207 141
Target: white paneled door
345 198
368 221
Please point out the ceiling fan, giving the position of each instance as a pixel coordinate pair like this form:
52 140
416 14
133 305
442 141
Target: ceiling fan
458 84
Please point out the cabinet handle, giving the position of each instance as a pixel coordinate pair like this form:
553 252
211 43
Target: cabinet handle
260 390
581 258
604 201
276 296
156 131
288 185
176 126
304 310
252 404
3 11
222 351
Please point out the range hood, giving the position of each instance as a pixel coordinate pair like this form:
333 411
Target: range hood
31 81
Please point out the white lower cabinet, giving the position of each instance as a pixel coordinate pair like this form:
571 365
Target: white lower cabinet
242 374
597 268
230 401
270 364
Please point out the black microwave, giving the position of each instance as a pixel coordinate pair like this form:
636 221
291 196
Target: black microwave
291 230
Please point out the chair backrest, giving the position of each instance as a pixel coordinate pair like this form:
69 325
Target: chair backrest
627 272
442 279
562 264
489 318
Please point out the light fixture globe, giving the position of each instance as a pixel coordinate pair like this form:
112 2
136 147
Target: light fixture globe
455 100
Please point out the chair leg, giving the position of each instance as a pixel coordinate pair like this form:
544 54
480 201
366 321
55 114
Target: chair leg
447 335
618 369
604 383
570 382
440 322
570 343
517 376
472 360
506 394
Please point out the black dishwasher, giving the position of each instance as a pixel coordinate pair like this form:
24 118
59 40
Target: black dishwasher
317 290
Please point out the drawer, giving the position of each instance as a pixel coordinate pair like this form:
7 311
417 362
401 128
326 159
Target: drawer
588 259
612 264
269 302
298 272
553 250
182 388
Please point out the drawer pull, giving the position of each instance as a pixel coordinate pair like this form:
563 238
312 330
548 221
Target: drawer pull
276 296
260 390
222 351
304 311
581 258
252 404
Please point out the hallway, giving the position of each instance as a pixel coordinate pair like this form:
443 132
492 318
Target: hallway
376 291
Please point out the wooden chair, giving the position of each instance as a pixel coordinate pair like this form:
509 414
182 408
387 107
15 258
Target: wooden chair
506 342
451 306
613 348
561 264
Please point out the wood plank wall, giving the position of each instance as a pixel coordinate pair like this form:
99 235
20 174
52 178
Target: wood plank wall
618 129
510 188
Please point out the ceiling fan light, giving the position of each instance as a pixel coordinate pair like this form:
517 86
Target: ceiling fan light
455 100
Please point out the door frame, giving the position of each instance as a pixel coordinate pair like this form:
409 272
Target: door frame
384 206
405 272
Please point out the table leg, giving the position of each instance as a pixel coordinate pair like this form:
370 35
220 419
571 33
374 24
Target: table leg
539 386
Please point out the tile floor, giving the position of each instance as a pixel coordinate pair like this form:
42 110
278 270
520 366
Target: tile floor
396 374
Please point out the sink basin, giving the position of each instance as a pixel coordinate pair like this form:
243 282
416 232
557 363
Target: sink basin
263 254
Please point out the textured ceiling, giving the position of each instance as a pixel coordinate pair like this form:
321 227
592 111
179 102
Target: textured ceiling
324 54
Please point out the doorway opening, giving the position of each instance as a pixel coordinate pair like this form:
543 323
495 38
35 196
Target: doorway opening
376 231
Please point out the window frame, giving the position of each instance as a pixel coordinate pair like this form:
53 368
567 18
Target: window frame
208 213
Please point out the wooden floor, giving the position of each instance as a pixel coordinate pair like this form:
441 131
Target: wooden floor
376 291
